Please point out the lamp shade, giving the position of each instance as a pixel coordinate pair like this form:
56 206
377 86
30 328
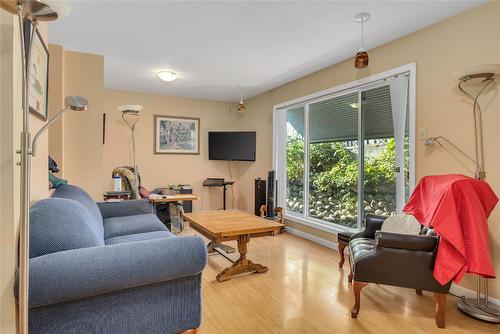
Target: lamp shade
479 71
131 108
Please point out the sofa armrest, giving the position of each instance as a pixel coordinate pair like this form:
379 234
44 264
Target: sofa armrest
407 242
87 272
373 223
125 208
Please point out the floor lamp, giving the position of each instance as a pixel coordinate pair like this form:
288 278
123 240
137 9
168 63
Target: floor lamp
33 11
130 115
482 78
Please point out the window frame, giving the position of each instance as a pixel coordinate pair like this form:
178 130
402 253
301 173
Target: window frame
279 139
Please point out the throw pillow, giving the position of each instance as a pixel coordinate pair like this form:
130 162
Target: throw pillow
402 224
55 182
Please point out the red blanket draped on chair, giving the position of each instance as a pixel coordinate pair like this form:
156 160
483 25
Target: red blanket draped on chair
457 207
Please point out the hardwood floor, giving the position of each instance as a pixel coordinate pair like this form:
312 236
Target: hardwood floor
304 291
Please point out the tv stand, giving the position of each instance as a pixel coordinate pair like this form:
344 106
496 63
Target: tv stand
221 183
212 182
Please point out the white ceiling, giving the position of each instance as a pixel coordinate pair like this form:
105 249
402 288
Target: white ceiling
215 46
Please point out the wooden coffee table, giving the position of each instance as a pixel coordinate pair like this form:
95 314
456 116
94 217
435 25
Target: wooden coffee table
227 225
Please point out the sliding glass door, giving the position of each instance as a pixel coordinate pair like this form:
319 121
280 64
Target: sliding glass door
333 162
378 152
295 160
347 154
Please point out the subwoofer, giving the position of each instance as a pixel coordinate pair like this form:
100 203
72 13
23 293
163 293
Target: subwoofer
260 195
271 194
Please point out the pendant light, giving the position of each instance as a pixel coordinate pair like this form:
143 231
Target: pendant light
241 105
361 59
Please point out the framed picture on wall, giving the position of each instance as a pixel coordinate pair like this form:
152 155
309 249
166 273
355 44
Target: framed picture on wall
38 82
176 135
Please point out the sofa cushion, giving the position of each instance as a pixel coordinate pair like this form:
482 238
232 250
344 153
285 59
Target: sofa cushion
118 226
58 224
139 237
69 191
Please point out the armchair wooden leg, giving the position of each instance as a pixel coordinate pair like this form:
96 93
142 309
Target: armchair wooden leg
440 308
341 252
357 286
349 278
419 292
189 331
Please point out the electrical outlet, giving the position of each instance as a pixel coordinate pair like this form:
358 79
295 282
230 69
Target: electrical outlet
422 133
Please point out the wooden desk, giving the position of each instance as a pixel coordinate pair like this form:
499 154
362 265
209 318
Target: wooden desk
175 208
227 225
173 198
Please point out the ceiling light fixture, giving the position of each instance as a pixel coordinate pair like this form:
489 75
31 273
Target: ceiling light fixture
361 59
241 105
167 76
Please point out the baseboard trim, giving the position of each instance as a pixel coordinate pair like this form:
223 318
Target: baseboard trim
313 238
458 290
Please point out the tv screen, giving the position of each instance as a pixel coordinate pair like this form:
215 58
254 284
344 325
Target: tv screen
232 146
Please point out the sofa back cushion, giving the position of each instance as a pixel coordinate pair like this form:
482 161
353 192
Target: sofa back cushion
75 193
58 224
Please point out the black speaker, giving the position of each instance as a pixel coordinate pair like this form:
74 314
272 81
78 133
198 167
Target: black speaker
260 195
271 192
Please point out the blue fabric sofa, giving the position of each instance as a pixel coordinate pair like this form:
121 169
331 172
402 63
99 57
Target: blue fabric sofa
110 268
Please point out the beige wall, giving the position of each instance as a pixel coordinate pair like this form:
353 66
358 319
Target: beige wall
438 51
56 103
10 128
82 135
164 169
75 140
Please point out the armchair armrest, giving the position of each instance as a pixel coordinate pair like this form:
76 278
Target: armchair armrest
125 208
373 223
406 242
406 268
87 272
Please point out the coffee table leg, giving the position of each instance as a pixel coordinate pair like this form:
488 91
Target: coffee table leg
242 265
211 247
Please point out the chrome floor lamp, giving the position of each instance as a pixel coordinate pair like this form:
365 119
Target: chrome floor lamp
130 115
478 78
483 76
33 11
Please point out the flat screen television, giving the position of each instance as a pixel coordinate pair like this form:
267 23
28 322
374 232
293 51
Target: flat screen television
231 146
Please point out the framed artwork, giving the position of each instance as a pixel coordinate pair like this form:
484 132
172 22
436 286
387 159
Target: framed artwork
176 135
38 82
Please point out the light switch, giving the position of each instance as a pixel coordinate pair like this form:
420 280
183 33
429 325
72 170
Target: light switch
422 133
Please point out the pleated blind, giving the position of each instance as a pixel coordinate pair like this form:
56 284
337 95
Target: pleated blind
336 119
377 113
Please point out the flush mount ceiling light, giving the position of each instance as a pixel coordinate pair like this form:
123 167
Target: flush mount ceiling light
361 59
241 105
167 76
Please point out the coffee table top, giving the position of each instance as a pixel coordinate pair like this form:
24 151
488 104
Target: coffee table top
226 223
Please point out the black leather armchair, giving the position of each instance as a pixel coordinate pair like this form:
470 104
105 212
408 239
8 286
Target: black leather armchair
395 259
